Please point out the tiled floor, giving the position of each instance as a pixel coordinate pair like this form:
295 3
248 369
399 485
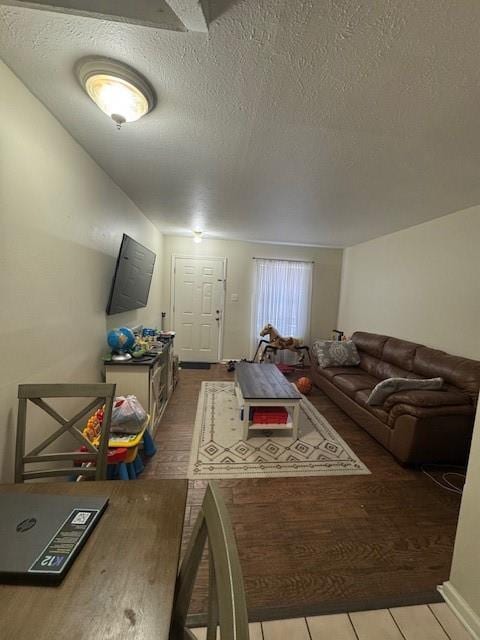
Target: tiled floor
423 622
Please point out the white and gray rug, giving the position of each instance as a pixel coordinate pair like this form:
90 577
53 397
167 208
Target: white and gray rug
219 451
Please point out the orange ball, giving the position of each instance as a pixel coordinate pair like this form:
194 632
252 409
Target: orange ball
304 385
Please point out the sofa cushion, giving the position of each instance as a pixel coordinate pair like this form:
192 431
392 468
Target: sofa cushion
331 372
350 384
361 398
460 372
336 353
425 398
369 363
428 412
400 353
386 369
371 343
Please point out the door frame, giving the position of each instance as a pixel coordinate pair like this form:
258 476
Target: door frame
182 256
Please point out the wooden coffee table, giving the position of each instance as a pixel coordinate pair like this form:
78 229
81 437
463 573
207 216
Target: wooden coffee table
262 385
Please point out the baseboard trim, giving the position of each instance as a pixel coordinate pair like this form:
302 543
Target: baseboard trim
461 609
300 610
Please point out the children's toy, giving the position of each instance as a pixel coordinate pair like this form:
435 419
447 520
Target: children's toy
94 426
284 368
121 341
277 342
123 459
304 385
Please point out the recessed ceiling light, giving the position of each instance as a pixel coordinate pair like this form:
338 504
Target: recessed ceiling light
117 89
197 237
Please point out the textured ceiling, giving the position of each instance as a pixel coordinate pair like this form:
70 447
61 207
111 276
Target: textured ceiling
309 121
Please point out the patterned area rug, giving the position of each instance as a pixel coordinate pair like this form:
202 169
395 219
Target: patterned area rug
218 450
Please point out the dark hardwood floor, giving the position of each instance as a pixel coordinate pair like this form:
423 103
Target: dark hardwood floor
325 544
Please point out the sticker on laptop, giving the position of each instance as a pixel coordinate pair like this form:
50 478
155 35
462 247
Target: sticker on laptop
62 546
82 517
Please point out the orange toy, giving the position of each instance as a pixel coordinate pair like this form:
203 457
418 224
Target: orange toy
94 426
304 385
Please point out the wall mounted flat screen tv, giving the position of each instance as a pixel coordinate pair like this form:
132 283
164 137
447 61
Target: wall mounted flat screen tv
132 278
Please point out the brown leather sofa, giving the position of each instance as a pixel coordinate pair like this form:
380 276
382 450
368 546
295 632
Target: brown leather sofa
415 426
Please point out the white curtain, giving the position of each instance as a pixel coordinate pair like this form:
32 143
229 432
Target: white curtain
282 298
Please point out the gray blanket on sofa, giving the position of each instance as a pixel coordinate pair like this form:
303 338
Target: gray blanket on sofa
392 385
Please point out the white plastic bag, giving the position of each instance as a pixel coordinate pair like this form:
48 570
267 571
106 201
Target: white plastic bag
128 415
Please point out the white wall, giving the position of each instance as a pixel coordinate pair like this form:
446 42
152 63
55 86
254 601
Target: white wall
463 589
61 220
423 284
420 284
236 344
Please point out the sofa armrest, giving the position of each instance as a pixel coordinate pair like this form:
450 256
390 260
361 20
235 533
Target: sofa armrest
429 412
427 398
435 439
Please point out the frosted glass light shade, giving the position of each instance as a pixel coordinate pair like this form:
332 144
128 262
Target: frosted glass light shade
117 89
117 97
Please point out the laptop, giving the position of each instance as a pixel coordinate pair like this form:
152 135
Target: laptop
41 535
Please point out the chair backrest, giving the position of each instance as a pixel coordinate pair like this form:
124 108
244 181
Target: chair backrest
226 598
102 394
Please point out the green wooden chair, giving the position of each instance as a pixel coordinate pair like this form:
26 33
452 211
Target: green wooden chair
102 394
226 598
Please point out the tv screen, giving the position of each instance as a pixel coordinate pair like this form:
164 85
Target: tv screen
132 278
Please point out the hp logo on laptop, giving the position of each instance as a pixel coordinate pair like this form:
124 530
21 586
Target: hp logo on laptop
26 525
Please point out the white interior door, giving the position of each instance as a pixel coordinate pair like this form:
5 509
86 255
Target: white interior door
198 298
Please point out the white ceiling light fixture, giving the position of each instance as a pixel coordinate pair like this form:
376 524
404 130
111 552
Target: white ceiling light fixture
117 89
197 236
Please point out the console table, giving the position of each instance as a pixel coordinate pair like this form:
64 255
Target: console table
150 379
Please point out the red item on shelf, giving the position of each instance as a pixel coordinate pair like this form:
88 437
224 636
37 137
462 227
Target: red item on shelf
114 456
285 368
270 415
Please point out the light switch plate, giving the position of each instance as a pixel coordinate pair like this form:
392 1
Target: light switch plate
234 297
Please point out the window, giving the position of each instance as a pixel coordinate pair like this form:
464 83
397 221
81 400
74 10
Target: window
282 297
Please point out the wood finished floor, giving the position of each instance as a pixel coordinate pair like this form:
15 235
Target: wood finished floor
311 546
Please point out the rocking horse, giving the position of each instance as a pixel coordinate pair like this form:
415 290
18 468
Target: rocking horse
277 342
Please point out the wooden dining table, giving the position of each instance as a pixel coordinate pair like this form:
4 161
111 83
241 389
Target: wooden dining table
121 585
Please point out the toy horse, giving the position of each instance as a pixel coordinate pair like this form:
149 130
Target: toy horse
279 343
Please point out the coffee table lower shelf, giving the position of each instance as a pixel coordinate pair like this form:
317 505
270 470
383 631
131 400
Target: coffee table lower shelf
275 426
291 405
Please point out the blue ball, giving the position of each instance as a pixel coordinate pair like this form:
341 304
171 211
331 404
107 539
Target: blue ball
121 340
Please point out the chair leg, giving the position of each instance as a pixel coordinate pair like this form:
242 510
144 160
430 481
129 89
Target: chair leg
226 605
186 577
212 598
20 443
